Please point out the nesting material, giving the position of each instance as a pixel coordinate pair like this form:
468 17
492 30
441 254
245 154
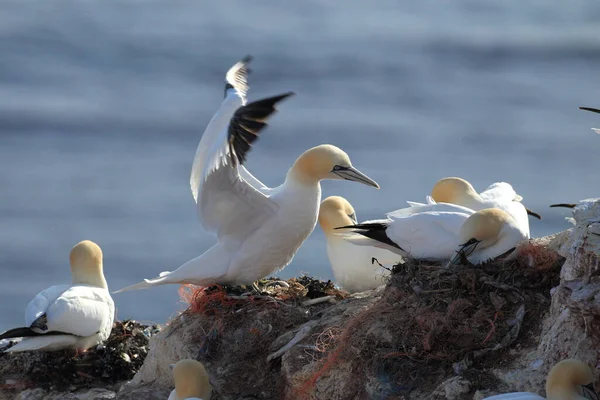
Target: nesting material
432 322
117 360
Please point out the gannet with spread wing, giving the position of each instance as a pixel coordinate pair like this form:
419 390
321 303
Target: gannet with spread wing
259 229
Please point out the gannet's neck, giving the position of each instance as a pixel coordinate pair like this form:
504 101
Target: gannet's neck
470 199
329 223
298 176
91 278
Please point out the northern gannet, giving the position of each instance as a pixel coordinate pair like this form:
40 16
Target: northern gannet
426 231
356 268
440 231
567 380
487 235
79 315
259 229
498 195
191 381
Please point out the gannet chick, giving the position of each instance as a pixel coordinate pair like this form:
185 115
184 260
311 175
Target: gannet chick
498 195
79 315
354 267
486 235
191 381
259 229
567 380
592 110
426 231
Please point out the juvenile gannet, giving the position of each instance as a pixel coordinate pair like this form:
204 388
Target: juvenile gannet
259 229
356 268
498 195
426 231
592 110
567 380
191 381
488 234
79 315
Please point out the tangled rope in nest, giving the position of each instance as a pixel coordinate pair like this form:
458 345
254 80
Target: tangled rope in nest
431 321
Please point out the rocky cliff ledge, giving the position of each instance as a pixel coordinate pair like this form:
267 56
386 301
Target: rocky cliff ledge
429 333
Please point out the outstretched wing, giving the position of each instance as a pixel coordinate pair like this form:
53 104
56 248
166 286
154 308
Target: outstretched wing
230 200
236 87
227 203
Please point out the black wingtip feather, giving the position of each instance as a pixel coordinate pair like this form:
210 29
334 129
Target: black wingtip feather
373 230
566 205
590 109
247 123
28 332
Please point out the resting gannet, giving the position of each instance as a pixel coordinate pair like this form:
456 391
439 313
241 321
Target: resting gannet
79 315
259 229
426 231
488 234
356 268
498 195
438 231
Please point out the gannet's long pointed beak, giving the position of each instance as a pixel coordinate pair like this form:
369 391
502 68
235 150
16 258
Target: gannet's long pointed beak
463 251
352 174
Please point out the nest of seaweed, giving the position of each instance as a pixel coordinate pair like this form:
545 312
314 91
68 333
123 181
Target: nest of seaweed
116 360
432 322
239 328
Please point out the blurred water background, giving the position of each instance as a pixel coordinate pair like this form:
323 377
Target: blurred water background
102 105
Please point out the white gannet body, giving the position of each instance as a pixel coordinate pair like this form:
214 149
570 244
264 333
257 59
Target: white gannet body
498 195
76 316
440 231
426 231
487 235
356 268
567 380
191 381
259 229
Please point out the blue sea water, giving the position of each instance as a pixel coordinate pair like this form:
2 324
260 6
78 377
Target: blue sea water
102 105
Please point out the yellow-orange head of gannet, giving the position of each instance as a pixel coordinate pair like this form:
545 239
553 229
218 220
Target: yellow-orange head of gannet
86 264
487 234
335 211
191 380
327 162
